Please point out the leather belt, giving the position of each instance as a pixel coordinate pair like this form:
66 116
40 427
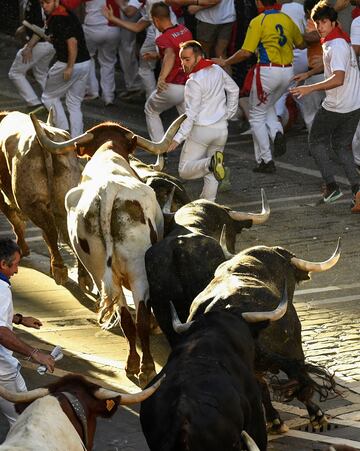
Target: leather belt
274 65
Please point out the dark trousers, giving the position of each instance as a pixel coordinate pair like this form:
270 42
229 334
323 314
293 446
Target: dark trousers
336 130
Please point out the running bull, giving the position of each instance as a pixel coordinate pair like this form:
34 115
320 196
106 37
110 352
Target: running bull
63 415
39 165
252 280
210 394
191 253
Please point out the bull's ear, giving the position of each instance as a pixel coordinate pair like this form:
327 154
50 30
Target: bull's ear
108 407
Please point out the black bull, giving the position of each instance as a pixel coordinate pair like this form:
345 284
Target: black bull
184 262
252 281
210 394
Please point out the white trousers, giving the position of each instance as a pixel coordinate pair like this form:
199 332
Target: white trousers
356 146
127 56
159 102
310 104
146 68
262 116
102 41
15 384
196 155
73 90
300 64
42 54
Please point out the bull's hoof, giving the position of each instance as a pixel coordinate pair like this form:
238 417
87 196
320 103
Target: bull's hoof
85 283
318 419
60 274
276 426
132 366
146 378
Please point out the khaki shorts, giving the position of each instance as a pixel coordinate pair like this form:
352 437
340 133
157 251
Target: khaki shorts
211 33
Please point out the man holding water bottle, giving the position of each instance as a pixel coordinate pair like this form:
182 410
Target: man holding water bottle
10 376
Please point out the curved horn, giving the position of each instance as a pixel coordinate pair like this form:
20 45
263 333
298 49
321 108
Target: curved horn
257 218
307 266
127 399
178 326
26 396
274 315
159 163
167 206
50 118
249 442
58 148
228 255
161 146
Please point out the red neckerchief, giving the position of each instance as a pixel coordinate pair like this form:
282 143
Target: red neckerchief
355 12
269 7
337 32
202 64
59 11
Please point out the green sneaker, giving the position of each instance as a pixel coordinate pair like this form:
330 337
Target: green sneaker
217 165
225 184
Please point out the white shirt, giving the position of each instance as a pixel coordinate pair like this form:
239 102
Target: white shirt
93 13
211 95
355 32
339 55
146 8
223 12
8 364
297 14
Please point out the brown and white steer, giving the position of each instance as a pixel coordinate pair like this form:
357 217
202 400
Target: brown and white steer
113 218
63 415
39 164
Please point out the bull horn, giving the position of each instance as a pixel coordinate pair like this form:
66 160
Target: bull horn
26 396
178 326
228 255
249 442
50 118
58 148
127 399
257 218
163 145
159 163
318 266
167 206
274 315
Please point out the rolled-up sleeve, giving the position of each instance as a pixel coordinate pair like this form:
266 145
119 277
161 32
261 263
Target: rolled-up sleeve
193 104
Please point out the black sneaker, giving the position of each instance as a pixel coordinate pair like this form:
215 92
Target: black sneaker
279 144
217 166
331 195
266 168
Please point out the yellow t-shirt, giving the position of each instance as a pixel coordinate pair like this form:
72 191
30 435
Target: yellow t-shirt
274 34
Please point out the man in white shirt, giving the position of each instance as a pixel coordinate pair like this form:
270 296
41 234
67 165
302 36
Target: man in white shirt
336 120
211 98
215 19
10 376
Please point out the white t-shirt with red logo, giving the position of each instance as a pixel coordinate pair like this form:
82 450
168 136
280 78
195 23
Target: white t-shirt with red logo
339 55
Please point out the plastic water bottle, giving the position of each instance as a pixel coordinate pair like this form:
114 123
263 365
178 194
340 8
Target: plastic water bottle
57 354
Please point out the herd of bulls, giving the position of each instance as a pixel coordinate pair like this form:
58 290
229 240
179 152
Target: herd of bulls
229 319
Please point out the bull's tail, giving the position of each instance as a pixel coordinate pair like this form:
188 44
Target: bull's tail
304 380
108 314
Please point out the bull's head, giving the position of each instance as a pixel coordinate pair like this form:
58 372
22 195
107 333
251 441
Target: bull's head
249 317
88 142
100 393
